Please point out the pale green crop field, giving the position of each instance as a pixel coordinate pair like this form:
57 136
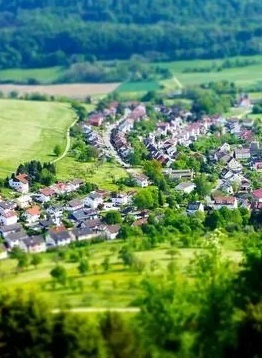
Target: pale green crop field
30 130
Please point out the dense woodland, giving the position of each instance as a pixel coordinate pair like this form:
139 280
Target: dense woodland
38 33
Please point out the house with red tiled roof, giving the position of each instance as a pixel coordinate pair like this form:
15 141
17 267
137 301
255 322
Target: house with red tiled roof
20 183
257 195
32 214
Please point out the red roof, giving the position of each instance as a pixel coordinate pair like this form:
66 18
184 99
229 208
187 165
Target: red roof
35 210
47 191
257 193
23 178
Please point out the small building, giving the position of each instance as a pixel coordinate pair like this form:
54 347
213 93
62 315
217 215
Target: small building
119 199
141 180
8 218
242 154
195 207
257 195
34 244
93 200
10 229
20 183
74 205
84 233
185 187
32 214
111 231
46 194
229 202
24 201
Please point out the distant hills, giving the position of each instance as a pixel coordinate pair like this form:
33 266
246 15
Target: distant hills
42 33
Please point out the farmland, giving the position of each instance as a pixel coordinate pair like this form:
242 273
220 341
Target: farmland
77 90
30 130
116 287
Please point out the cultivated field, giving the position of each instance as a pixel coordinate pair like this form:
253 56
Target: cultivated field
30 130
76 90
139 86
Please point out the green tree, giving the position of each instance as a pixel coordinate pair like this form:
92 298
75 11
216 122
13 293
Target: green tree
57 150
106 263
127 256
83 266
113 217
22 261
59 274
36 260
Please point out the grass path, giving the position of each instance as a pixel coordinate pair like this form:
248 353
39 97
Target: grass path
68 143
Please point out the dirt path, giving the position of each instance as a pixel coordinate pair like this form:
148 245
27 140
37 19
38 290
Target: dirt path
68 142
179 84
100 310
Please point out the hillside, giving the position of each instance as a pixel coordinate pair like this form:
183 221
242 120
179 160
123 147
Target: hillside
67 31
40 125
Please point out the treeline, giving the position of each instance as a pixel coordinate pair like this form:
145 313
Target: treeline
227 64
48 33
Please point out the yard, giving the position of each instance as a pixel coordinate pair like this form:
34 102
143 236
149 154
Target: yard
30 130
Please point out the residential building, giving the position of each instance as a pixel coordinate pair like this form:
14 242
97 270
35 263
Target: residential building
229 202
32 214
93 200
141 180
111 231
8 218
185 187
195 207
34 244
20 183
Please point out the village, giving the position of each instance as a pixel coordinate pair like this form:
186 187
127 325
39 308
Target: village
38 221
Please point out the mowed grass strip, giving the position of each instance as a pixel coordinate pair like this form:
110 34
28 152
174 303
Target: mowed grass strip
30 130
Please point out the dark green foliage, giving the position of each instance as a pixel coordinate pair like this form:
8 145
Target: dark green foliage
67 32
113 217
38 173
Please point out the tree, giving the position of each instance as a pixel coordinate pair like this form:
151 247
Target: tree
83 266
126 255
22 261
203 186
106 263
57 150
146 198
113 217
36 260
59 274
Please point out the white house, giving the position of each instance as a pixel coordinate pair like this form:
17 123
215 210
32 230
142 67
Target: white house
111 231
46 195
3 252
119 199
34 244
242 154
24 201
93 200
32 215
185 187
8 218
141 180
195 207
74 205
20 183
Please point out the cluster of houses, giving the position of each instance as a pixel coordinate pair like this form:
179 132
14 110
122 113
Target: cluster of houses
43 215
119 134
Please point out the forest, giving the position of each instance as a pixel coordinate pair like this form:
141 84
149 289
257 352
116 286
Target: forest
42 33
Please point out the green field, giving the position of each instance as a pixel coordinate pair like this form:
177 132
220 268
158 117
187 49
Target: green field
42 75
30 130
140 86
117 287
102 174
243 76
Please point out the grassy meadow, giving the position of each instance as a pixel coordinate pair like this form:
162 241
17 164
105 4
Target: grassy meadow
102 174
30 130
118 287
42 75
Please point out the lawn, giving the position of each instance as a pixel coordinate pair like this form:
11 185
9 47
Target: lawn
42 75
30 130
117 287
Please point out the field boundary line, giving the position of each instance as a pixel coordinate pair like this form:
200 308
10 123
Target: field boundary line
68 143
